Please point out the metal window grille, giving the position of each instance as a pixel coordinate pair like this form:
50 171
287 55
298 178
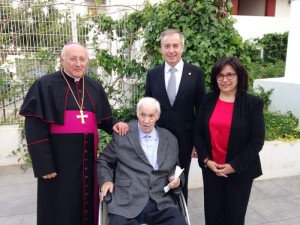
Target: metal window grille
32 28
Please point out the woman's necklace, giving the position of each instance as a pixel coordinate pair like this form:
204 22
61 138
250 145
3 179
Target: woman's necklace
81 116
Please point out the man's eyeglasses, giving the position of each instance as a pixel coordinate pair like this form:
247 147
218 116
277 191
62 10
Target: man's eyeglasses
229 76
75 60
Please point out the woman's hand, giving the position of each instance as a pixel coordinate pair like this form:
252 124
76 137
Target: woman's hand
221 170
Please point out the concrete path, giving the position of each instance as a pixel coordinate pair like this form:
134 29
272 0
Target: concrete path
274 201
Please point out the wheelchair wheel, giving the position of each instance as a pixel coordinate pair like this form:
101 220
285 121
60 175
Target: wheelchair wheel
103 215
183 208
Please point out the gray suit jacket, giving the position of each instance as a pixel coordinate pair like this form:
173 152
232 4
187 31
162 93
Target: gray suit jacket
134 180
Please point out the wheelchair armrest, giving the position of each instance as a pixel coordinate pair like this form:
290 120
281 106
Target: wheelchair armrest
108 197
176 191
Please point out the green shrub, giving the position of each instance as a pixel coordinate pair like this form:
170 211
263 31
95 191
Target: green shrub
261 70
281 126
274 46
252 51
278 126
270 48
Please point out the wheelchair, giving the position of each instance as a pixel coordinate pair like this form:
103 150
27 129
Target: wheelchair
177 193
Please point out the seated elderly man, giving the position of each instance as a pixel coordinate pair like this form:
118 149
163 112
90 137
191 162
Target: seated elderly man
136 167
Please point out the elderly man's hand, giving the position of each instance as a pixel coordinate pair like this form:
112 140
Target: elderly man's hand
121 128
106 187
174 183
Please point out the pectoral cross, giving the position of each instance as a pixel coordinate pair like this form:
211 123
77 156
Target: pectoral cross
81 116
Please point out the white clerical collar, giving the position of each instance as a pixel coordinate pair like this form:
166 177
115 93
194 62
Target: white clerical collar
75 78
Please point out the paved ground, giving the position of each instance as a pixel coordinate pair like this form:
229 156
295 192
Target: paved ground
275 201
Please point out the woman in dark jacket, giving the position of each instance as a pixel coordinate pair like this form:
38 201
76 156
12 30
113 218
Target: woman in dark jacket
229 134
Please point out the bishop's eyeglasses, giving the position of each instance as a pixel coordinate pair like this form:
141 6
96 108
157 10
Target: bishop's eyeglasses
75 59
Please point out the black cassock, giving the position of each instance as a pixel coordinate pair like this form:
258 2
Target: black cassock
59 141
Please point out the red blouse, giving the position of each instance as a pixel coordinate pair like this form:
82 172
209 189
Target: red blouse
219 128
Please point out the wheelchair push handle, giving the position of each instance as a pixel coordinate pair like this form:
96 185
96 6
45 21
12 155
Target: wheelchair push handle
108 197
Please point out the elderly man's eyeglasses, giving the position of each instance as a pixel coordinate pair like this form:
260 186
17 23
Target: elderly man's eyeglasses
229 76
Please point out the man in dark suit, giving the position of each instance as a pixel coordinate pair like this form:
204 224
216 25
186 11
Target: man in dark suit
136 168
177 115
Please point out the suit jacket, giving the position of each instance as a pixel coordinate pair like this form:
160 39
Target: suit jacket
134 179
246 139
179 118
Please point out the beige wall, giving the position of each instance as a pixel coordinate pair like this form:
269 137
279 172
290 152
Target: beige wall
9 139
282 8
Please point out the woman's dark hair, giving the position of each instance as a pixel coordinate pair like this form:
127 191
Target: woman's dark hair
238 67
